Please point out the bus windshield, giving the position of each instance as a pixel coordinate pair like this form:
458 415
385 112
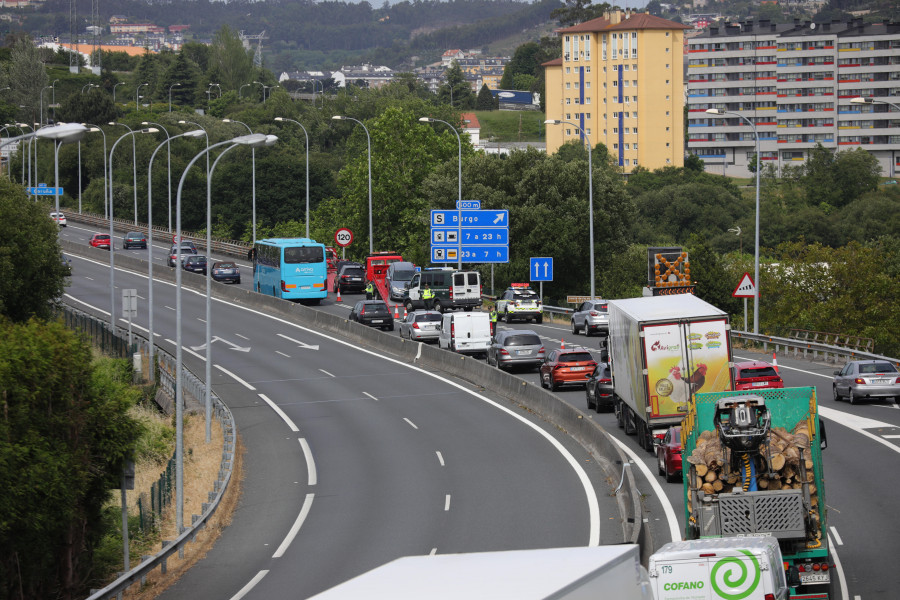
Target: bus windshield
303 254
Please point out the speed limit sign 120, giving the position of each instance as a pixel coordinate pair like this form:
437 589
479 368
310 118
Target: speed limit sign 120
343 237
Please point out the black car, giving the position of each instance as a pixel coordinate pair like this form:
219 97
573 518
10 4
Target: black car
226 271
599 389
373 313
195 263
351 277
66 265
186 249
134 239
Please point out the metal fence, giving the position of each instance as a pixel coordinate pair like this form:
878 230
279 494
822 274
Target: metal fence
808 350
99 332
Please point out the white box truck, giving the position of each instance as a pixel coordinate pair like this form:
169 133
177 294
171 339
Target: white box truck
749 568
612 572
663 350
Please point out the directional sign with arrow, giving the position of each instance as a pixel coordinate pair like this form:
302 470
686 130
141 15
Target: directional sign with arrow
218 339
541 268
299 343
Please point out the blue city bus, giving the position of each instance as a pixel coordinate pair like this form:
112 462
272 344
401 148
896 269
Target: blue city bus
290 268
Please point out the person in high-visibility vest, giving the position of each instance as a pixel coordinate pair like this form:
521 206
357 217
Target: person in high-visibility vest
428 297
493 321
370 291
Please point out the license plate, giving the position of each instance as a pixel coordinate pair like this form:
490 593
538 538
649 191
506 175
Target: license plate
305 287
576 368
521 352
378 320
759 383
881 381
355 279
814 578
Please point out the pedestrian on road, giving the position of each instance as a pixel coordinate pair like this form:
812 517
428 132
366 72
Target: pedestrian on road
428 297
370 291
494 321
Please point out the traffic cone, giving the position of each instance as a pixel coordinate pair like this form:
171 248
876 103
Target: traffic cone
396 312
339 294
405 313
775 362
563 344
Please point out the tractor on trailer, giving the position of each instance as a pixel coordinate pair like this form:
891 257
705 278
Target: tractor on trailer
663 350
752 466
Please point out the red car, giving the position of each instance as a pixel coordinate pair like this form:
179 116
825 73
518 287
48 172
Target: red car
755 375
100 240
567 366
668 455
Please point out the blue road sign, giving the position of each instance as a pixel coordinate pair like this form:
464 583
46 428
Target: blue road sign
540 268
470 218
43 191
468 204
442 236
470 254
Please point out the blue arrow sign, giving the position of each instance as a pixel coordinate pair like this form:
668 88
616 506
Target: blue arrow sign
470 254
468 204
43 191
442 236
540 268
470 218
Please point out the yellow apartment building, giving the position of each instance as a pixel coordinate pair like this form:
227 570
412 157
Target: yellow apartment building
620 81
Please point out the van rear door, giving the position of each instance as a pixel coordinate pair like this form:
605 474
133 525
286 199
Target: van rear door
466 286
682 578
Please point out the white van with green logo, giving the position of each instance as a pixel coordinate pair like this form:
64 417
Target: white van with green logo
748 568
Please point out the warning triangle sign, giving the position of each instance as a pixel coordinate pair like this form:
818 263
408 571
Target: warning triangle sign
746 288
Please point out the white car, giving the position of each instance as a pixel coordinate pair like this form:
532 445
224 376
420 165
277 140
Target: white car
59 218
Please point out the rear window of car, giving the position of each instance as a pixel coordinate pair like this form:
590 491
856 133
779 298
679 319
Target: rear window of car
224 265
601 307
522 340
403 275
879 367
758 372
353 272
428 318
575 357
101 237
376 306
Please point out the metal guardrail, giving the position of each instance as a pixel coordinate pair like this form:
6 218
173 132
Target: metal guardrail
810 349
234 248
191 386
863 344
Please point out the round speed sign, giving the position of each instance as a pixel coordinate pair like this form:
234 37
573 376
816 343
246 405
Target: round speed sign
343 237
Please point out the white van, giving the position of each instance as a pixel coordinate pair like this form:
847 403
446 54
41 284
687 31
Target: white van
466 332
749 568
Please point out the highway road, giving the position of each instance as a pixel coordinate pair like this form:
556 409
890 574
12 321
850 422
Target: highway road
371 460
863 447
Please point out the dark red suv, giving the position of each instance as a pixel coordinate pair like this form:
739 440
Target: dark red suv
567 366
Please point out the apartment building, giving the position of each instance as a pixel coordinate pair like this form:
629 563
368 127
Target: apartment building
620 81
795 83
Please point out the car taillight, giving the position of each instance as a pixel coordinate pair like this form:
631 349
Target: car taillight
451 292
769 597
594 313
898 380
542 349
504 351
415 326
606 381
859 380
452 330
362 311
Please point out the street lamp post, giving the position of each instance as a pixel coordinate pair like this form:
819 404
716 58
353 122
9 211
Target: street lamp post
46 87
305 135
61 134
241 90
868 100
168 168
170 110
253 158
134 161
206 133
114 90
459 179
88 86
720 112
31 127
590 192
105 182
137 96
179 366
369 153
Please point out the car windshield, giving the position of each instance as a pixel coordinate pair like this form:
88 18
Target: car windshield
878 367
402 275
304 254
575 357
522 340
759 372
223 265
428 317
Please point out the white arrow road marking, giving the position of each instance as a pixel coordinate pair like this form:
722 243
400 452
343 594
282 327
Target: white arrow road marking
299 343
218 339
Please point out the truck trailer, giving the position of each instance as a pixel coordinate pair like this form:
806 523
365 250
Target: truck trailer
663 350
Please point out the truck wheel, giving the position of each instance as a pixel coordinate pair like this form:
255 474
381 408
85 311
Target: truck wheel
629 421
617 408
409 306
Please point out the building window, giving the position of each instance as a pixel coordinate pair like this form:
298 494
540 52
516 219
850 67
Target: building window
667 144
588 115
628 146
588 131
668 160
587 84
568 116
576 85
634 82
568 70
635 146
615 115
587 100
615 146
627 130
667 34
615 130
604 132
569 101
568 87
568 132
667 82
635 132
587 69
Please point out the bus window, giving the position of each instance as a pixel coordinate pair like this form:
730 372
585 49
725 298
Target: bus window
303 254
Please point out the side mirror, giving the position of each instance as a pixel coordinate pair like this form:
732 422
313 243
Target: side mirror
793 577
837 372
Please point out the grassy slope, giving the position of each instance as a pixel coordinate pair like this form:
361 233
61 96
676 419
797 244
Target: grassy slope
511 126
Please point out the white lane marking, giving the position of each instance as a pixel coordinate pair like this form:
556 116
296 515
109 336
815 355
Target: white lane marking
135 325
89 278
891 437
440 457
668 510
141 297
840 569
250 585
593 504
370 396
410 422
447 502
170 307
201 320
243 337
189 351
326 372
837 537
304 512
277 410
299 343
418 352
312 478
282 353
235 377
433 552
86 304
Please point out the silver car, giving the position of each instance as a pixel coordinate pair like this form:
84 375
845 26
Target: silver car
421 325
866 379
591 317
516 347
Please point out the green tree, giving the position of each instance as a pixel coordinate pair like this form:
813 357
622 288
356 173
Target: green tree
64 437
27 78
230 64
31 273
856 172
456 91
186 74
579 11
485 99
526 60
94 106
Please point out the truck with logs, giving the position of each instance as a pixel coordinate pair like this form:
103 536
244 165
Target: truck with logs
752 466
663 350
